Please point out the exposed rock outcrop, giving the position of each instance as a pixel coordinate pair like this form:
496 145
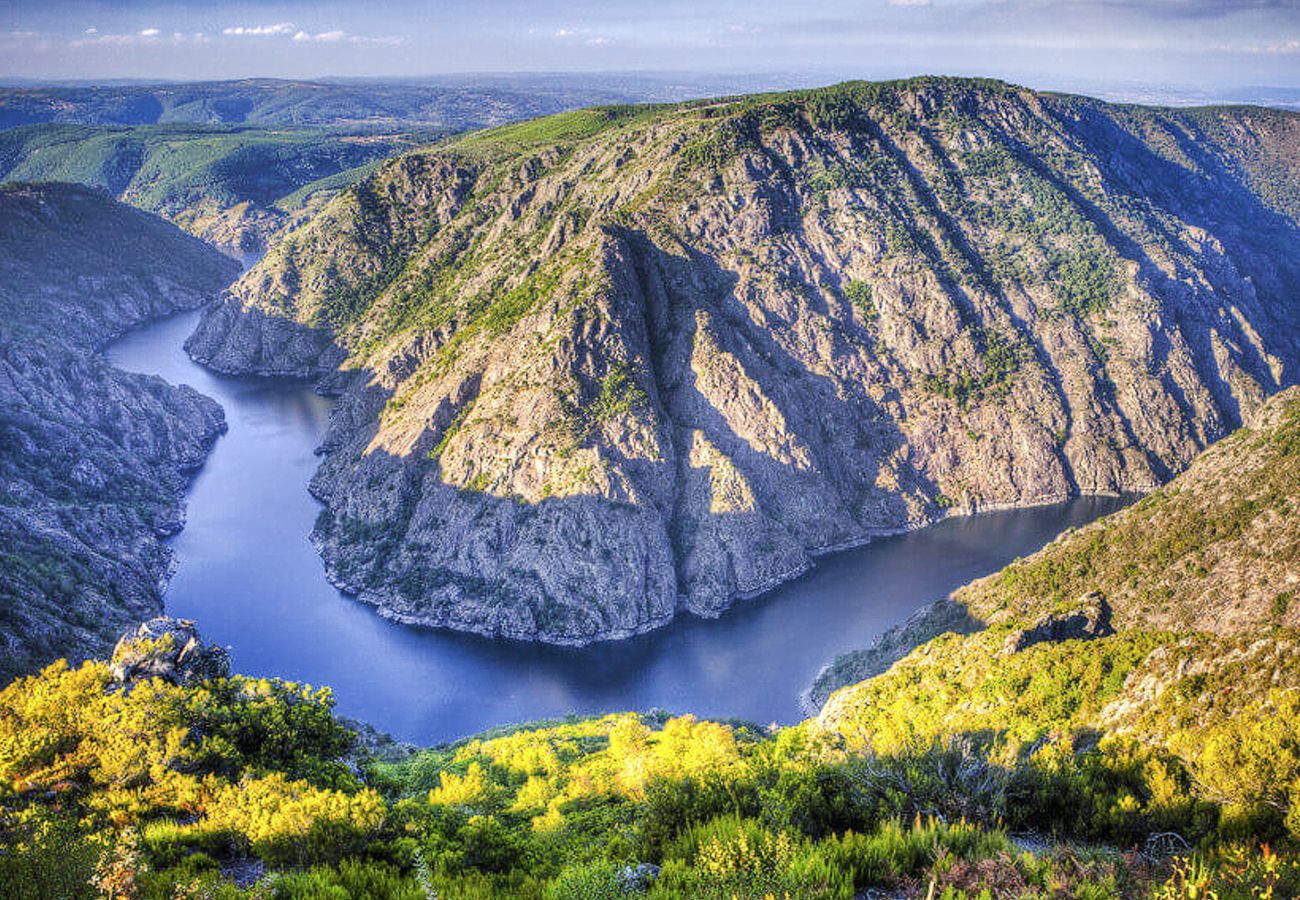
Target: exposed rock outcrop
170 649
633 361
234 340
1089 619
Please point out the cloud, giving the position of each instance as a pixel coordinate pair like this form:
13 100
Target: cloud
259 30
1278 48
909 2
143 37
585 35
339 36
328 37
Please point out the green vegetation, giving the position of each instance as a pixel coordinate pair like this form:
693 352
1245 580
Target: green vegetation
858 293
619 394
1050 238
158 786
577 125
999 361
167 167
196 174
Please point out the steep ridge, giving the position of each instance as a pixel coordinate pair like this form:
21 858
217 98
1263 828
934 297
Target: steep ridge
611 364
93 460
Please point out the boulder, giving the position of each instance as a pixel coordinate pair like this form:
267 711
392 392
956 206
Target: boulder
170 649
637 879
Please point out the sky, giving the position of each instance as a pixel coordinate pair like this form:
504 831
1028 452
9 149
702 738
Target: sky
1207 44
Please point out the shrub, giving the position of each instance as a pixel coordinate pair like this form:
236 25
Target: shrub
732 857
949 779
292 822
593 881
46 857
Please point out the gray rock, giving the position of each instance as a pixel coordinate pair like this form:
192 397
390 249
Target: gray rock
94 461
170 649
638 879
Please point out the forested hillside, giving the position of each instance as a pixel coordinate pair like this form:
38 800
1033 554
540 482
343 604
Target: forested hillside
234 186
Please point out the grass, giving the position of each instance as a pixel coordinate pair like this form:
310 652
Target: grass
567 127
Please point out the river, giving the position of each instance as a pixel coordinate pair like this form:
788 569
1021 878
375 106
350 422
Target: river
248 575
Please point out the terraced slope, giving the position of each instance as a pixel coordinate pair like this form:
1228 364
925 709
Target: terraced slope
617 363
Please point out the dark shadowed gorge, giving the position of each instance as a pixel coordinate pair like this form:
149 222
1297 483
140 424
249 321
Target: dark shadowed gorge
93 460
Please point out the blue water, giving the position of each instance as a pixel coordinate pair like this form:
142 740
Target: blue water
251 579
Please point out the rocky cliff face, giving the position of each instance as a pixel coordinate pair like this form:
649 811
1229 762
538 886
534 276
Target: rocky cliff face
93 460
606 366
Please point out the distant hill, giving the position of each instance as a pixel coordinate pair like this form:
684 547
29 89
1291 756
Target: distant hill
233 185
456 103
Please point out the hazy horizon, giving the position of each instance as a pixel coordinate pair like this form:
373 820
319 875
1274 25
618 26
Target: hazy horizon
1190 44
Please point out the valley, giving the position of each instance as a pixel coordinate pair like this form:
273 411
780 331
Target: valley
257 585
603 367
881 490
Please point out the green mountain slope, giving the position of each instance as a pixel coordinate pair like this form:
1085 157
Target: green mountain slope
1172 622
231 185
629 360
1215 551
